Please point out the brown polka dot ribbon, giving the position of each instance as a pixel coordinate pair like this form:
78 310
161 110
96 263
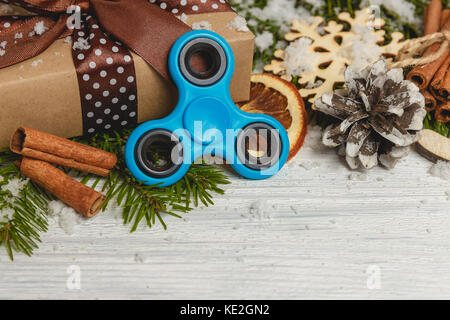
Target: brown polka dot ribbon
106 78
104 65
179 7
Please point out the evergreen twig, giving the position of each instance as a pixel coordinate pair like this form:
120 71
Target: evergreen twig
147 204
141 204
30 213
329 11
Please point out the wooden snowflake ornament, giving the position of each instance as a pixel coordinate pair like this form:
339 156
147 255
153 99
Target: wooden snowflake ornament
328 52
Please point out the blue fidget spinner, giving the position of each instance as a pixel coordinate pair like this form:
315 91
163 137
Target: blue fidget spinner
205 121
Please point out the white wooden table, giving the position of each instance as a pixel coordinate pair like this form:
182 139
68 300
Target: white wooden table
316 230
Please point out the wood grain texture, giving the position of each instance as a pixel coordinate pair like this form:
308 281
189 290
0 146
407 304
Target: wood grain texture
320 230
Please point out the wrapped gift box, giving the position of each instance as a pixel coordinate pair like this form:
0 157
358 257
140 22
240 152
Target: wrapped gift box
42 92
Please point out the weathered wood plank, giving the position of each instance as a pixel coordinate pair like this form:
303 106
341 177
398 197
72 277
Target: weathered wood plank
321 231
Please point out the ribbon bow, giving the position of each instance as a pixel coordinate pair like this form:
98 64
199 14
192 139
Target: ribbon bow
149 28
106 31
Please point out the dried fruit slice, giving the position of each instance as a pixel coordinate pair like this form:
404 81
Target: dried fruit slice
280 99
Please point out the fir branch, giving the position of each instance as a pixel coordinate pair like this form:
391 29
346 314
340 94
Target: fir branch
141 204
149 204
329 11
21 232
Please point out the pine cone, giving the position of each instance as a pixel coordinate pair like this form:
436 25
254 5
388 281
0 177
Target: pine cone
380 113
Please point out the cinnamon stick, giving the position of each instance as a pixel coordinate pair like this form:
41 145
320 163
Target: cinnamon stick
444 16
445 23
80 197
422 75
43 146
430 101
434 21
433 17
440 85
442 113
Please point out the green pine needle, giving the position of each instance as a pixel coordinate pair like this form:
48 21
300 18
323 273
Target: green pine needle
147 205
30 213
441 128
330 11
142 205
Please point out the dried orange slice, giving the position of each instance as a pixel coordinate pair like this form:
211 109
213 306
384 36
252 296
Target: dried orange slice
280 99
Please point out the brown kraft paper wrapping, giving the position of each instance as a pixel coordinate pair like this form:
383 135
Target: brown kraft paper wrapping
80 197
43 92
43 146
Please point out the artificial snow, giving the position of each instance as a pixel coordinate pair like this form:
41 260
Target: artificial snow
36 62
258 67
66 217
313 85
2 47
183 17
357 177
55 207
40 28
201 25
239 24
361 49
15 186
316 4
264 40
280 11
313 139
403 8
298 59
258 210
81 44
441 169
309 165
281 44
252 22
6 214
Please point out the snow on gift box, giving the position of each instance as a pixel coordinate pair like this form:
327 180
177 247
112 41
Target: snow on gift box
49 92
